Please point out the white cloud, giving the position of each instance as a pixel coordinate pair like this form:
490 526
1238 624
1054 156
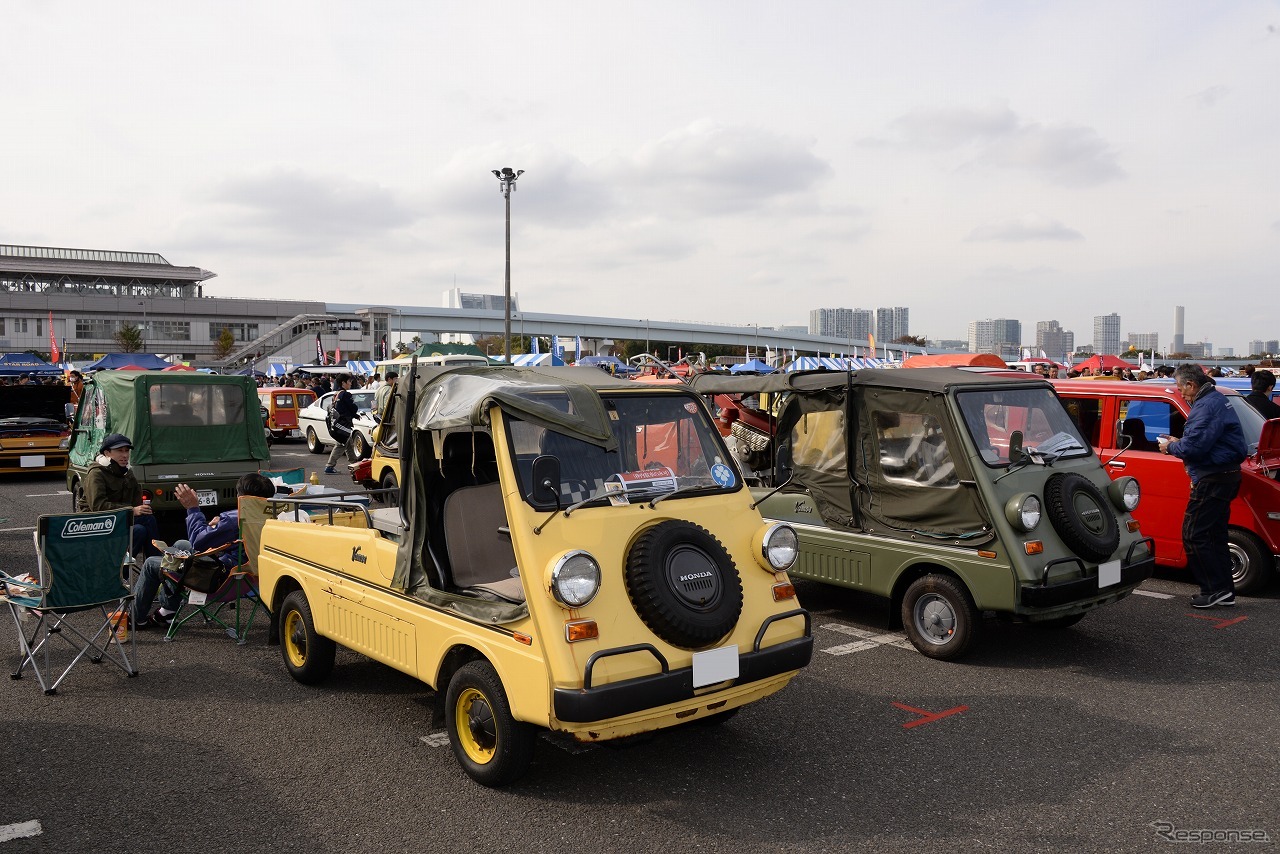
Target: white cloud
1024 228
1211 96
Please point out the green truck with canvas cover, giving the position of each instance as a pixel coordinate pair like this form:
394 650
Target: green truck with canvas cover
204 430
930 487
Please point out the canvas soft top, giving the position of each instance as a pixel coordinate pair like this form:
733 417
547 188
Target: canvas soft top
937 380
125 407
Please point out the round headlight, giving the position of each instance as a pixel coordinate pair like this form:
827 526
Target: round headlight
781 545
1130 494
1023 511
575 580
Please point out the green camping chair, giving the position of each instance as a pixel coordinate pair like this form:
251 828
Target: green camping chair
216 592
290 479
79 594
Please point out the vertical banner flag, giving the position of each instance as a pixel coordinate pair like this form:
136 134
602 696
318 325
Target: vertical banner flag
384 347
557 352
337 355
54 355
320 360
871 344
577 348
533 345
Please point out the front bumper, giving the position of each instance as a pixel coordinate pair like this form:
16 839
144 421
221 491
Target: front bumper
587 704
1085 588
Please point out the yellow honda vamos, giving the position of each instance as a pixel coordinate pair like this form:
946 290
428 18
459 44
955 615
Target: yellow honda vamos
571 552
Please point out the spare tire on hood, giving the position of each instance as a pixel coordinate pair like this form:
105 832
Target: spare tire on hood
683 584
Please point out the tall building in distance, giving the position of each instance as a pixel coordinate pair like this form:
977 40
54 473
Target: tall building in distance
1179 340
857 324
1144 341
1264 348
831 322
1106 334
1054 341
1000 336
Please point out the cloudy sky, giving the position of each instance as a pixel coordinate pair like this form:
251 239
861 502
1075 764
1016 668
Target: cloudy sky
738 162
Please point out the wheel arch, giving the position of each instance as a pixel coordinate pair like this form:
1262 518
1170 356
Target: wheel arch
908 575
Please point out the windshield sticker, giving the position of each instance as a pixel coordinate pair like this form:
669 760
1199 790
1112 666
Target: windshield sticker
659 478
723 475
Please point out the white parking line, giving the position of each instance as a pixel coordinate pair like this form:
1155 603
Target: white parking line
21 830
1152 594
10 530
867 639
48 494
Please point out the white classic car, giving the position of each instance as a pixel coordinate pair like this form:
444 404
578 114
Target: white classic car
311 421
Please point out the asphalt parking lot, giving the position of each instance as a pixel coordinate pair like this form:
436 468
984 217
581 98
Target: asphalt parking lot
1144 724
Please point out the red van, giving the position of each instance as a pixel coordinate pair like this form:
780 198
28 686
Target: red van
1123 419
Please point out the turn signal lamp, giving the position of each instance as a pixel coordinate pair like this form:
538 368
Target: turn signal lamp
1133 526
580 630
784 590
1033 547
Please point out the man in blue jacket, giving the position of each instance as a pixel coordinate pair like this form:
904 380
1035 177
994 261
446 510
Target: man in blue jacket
202 535
1212 448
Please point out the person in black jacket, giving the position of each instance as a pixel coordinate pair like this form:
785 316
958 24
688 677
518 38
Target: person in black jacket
1260 398
340 429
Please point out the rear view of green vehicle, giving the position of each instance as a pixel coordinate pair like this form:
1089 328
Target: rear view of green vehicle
203 430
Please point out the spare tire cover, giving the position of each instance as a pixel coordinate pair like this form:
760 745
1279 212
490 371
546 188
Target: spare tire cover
1082 516
683 584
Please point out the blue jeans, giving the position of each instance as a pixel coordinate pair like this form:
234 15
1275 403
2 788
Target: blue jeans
1204 531
149 581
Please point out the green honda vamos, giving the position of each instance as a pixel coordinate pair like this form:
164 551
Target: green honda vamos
203 430
949 493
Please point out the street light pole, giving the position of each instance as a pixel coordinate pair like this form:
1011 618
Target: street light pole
144 325
507 185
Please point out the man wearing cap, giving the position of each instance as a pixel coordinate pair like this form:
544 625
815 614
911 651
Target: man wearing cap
109 485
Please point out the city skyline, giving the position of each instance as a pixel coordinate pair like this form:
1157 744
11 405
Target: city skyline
734 162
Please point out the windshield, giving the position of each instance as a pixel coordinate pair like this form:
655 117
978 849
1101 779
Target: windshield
1251 420
665 443
993 415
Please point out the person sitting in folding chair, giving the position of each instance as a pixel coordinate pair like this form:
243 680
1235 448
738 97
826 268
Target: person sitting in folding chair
202 536
109 485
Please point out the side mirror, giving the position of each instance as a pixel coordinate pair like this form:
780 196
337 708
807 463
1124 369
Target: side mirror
1123 439
1015 446
544 492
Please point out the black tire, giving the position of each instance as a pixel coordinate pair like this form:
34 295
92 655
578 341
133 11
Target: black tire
1060 622
491 746
314 445
307 656
77 495
391 499
1082 516
683 584
1251 565
939 617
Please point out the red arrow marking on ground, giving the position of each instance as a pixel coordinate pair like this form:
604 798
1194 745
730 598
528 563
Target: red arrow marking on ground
928 717
1221 623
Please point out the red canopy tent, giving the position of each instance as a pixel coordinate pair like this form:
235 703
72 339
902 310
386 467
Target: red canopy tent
179 368
1104 362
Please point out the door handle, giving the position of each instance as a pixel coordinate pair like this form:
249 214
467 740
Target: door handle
1117 464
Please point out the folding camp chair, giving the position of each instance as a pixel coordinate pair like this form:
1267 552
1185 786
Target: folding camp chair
80 558
216 595
286 480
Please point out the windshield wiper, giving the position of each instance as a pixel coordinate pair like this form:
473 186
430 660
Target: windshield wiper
691 487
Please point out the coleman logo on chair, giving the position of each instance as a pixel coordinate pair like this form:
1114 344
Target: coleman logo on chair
89 527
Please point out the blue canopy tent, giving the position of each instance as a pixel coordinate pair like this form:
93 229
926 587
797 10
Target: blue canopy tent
111 361
755 366
17 364
361 366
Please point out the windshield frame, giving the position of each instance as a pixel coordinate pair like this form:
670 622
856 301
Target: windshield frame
991 439
625 464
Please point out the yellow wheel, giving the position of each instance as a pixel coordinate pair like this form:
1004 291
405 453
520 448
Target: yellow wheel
490 745
307 656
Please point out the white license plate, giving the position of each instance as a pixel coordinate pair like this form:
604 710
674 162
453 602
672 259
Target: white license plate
207 497
1108 573
715 665
31 461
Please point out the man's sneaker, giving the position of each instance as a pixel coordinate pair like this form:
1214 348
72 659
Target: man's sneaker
1208 600
157 621
330 470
